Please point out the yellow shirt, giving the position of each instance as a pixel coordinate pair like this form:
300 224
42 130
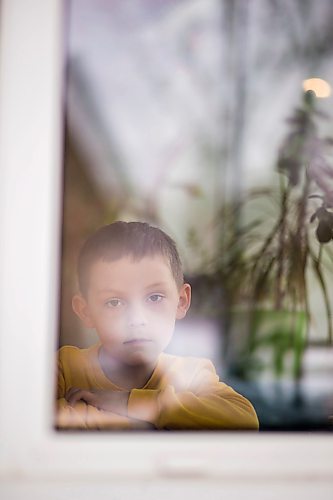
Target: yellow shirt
182 393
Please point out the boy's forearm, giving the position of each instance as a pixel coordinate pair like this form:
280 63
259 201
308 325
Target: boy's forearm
143 408
111 401
85 416
170 410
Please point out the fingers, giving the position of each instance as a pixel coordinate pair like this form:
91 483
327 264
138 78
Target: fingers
71 395
142 425
74 395
70 392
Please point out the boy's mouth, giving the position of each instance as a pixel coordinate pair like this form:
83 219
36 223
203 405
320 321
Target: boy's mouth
137 340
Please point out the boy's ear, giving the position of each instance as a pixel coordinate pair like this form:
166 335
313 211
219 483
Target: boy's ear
80 307
184 301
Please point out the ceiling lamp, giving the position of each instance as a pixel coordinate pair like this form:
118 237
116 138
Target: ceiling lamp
320 87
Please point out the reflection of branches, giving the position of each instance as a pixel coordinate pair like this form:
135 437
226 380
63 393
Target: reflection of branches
107 168
320 276
165 168
289 241
307 39
266 262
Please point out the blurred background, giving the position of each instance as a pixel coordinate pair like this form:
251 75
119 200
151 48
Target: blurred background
211 119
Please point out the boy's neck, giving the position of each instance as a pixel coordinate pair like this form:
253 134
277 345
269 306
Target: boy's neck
125 376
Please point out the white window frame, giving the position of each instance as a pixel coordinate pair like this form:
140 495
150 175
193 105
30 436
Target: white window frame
30 219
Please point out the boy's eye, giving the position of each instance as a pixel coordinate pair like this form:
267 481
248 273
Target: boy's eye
113 303
156 297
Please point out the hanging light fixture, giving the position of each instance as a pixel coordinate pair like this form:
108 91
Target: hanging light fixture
320 87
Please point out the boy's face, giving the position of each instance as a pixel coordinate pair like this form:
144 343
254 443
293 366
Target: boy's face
133 305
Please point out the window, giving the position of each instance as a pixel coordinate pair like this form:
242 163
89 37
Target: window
30 245
176 115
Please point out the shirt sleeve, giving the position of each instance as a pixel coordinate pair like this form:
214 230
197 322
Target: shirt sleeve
205 404
85 416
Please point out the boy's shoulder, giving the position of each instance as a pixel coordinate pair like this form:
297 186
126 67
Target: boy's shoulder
184 372
193 362
72 354
189 367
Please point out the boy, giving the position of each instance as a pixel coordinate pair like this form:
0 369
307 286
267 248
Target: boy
131 291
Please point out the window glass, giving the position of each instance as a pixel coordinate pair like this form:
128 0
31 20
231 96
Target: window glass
208 120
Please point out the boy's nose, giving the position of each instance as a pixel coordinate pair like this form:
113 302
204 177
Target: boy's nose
136 317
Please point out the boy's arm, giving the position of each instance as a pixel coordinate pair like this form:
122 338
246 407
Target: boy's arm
82 415
85 416
205 404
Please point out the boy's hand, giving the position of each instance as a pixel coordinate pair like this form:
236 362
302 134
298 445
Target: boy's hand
114 401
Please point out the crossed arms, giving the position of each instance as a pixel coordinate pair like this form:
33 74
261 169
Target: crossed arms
204 403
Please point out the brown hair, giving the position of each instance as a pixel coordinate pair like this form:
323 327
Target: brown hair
135 239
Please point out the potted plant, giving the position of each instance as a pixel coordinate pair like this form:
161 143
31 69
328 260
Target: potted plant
258 281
